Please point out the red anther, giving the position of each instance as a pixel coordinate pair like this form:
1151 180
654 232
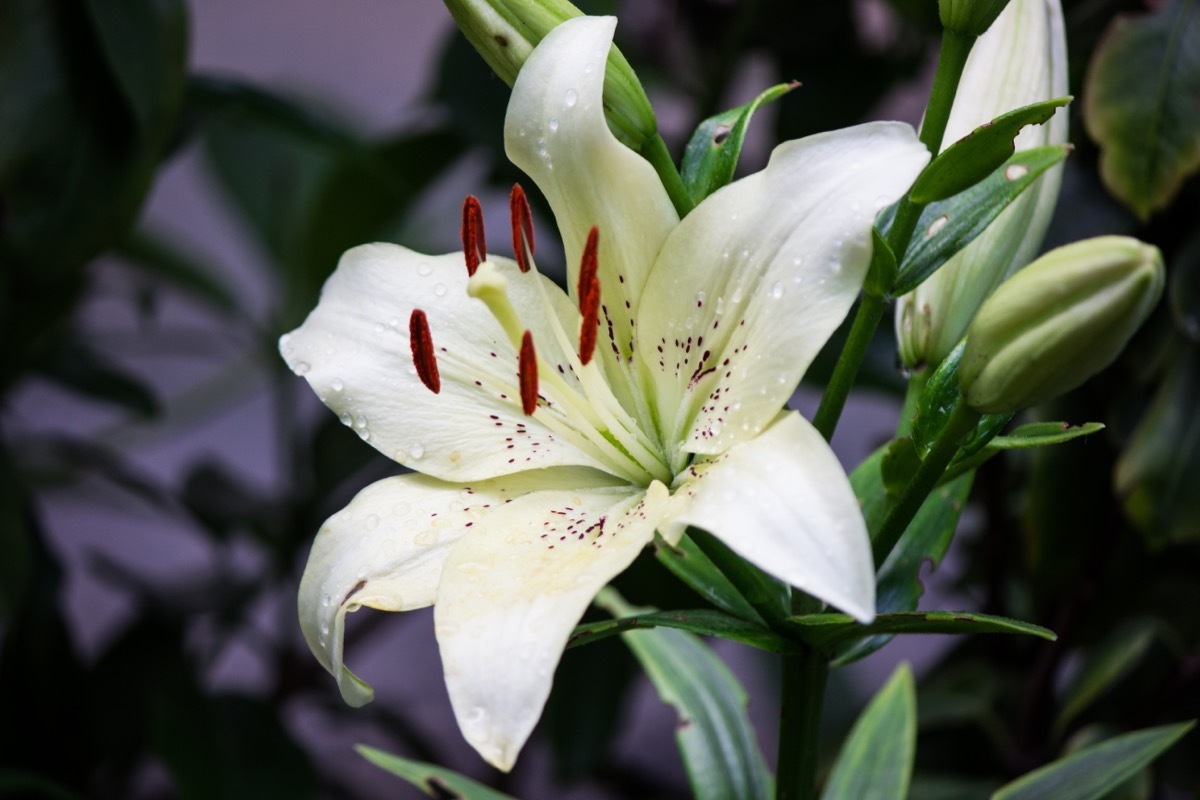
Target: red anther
474 246
589 297
421 342
522 227
527 373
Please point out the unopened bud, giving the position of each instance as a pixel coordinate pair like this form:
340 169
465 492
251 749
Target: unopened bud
969 17
504 33
1058 322
1021 60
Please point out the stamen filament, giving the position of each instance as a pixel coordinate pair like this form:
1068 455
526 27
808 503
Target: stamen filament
421 341
474 244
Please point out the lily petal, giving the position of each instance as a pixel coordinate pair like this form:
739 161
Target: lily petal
513 590
354 351
769 266
783 502
386 550
556 133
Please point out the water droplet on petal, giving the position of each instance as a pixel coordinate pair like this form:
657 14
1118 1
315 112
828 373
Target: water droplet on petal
777 290
552 124
428 537
337 385
541 148
417 452
301 367
360 421
571 97
345 418
424 269
440 290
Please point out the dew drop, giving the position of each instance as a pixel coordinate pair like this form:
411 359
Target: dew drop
337 385
521 132
365 435
371 522
541 148
745 252
777 290
418 452
440 290
301 367
380 327
360 421
428 537
571 97
345 418
401 508
552 124
424 269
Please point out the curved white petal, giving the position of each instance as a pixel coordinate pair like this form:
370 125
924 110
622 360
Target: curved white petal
1021 59
386 549
512 592
556 133
354 351
783 502
752 283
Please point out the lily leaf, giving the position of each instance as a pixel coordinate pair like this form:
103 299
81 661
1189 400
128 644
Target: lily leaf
947 226
876 760
1107 663
689 563
712 153
437 782
969 160
928 536
829 630
1037 434
718 744
1093 771
1139 104
705 622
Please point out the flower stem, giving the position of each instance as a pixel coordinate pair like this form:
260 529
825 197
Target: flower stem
951 60
803 693
654 150
870 311
962 421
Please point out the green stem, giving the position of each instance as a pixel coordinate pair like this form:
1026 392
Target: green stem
957 428
870 311
916 387
654 150
951 60
803 693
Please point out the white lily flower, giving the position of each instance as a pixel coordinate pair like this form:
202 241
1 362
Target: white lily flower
555 434
1021 59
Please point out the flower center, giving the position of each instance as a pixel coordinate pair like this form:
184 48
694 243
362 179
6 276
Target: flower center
576 403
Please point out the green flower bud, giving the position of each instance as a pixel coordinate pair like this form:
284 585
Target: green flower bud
969 17
1058 322
1021 60
505 32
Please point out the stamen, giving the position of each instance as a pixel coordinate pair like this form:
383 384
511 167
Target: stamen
422 351
589 298
522 227
474 246
527 371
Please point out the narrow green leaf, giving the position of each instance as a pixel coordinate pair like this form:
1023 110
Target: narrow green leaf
688 563
973 157
829 630
1105 665
899 587
705 622
881 273
876 760
164 261
1139 104
437 782
1037 434
947 226
712 153
900 463
718 744
1091 772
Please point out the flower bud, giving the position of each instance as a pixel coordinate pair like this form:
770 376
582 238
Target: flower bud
505 32
1022 59
1058 322
969 17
